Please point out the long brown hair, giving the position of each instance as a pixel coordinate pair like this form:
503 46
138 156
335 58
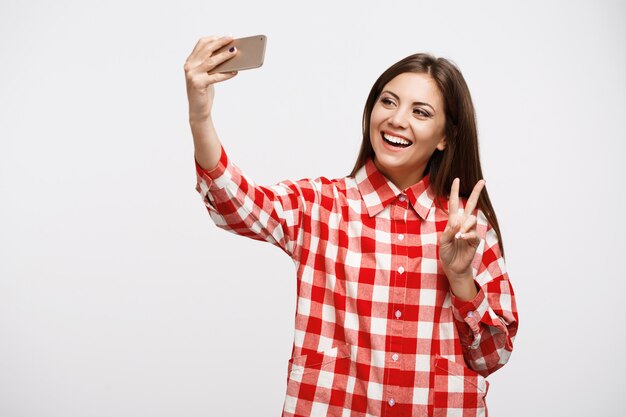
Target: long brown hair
460 157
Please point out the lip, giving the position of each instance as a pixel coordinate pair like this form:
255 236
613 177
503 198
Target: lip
390 133
391 148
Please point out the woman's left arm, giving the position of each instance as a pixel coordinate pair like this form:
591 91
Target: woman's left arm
483 302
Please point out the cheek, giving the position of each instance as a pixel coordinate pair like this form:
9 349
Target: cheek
375 121
379 114
373 142
427 132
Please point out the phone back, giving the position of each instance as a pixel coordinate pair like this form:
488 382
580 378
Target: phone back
250 54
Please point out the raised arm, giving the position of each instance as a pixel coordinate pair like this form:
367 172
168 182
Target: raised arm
200 94
483 302
234 202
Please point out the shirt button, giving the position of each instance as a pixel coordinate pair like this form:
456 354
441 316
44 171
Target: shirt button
400 237
470 314
401 270
398 314
392 402
402 198
395 357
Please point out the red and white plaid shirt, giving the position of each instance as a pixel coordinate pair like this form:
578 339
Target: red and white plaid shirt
377 330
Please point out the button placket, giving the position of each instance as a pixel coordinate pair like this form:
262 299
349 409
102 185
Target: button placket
399 241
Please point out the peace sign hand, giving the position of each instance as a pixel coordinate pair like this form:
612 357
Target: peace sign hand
459 240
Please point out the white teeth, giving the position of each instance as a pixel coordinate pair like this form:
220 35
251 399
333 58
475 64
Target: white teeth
397 140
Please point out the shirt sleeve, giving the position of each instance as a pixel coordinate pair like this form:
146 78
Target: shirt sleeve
240 206
487 324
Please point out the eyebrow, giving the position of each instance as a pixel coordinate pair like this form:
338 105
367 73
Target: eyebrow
419 103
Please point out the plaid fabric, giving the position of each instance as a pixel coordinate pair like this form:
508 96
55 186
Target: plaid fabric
377 330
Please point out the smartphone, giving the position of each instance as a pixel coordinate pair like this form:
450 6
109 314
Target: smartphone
250 54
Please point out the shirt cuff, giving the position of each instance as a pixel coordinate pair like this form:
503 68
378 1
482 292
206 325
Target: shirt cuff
210 175
469 314
465 309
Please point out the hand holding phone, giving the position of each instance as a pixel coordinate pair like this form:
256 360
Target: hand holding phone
250 54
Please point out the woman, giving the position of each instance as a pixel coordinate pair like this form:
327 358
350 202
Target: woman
404 304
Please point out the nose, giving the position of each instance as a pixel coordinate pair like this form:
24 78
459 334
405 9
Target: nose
398 118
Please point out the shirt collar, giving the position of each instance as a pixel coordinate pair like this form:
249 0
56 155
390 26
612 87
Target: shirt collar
377 191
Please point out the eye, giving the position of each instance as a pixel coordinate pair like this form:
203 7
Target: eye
387 101
420 112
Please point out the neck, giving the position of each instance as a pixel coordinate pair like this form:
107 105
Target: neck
400 177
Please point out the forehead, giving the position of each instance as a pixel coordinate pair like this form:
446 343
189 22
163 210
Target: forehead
416 87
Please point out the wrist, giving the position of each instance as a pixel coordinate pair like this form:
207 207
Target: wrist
464 290
197 119
463 286
459 276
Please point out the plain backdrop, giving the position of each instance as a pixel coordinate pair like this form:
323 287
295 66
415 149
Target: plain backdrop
119 297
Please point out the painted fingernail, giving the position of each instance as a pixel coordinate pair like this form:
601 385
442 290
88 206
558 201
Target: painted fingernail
458 235
232 49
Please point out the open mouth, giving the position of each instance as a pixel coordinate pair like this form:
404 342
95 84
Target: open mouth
396 141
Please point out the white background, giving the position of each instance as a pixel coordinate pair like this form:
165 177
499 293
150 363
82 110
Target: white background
118 296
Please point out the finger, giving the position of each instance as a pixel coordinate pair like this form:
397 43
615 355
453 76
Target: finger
449 232
453 203
205 48
215 60
214 45
447 236
200 82
468 225
202 42
472 201
221 76
197 52
471 238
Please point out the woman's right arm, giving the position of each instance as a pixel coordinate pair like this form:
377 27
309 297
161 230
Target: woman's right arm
236 204
200 94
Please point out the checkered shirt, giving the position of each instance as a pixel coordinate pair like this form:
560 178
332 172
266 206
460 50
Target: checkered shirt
377 330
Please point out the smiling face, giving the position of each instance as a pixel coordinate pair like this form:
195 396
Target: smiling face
407 125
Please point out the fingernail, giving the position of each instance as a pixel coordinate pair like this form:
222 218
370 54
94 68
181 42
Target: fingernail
232 49
458 235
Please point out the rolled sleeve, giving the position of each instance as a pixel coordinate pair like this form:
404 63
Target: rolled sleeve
468 315
207 177
487 324
236 204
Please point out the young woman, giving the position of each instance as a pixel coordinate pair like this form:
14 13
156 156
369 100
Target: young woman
404 304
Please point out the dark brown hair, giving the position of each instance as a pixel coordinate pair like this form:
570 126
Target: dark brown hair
460 157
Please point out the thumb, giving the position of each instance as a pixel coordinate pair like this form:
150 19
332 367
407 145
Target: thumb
448 233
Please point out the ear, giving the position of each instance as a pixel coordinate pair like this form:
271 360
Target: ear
442 143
